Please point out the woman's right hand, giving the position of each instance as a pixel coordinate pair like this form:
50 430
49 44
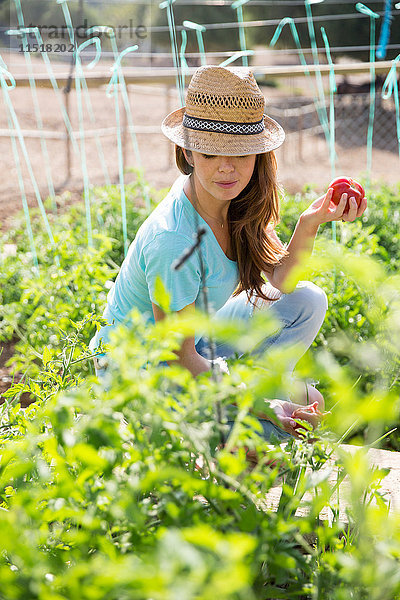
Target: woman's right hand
288 412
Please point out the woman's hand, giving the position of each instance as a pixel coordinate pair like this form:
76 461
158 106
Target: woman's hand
323 210
287 413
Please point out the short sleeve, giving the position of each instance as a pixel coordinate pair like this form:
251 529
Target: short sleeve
159 255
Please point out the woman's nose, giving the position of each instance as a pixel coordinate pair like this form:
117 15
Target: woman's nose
226 165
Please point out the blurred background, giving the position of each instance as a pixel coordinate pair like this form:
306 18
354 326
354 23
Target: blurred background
79 129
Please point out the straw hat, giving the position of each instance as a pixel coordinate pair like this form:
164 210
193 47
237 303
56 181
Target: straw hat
224 115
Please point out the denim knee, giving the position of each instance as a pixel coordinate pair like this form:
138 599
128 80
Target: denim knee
311 300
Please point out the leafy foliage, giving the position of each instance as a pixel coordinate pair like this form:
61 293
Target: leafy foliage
359 291
125 491
136 487
72 280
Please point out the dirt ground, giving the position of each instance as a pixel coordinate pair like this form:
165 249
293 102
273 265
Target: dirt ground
7 378
149 104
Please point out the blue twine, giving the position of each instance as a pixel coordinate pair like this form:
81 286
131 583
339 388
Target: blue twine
117 60
79 77
323 119
184 65
385 31
238 6
235 56
390 87
199 29
372 17
174 46
4 76
32 83
112 90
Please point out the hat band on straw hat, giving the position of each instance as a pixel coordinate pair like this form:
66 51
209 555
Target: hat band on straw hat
223 126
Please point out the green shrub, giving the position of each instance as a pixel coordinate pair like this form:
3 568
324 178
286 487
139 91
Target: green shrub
136 489
72 280
124 490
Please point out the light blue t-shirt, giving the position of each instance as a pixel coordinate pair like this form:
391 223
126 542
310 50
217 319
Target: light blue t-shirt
162 238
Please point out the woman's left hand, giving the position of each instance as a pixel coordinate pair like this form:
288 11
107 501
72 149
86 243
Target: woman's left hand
323 210
287 412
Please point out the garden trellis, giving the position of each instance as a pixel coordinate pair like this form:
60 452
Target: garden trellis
120 76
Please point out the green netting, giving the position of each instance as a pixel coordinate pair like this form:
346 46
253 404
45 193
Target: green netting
373 16
390 87
238 6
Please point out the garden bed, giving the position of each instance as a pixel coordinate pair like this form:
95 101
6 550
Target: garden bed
100 486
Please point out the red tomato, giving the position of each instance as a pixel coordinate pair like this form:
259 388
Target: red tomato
346 185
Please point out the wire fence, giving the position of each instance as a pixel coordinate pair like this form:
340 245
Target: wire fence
305 144
300 119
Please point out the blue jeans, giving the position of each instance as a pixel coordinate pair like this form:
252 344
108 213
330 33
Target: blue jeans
301 314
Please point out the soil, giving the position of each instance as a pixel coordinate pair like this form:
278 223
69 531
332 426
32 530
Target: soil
6 376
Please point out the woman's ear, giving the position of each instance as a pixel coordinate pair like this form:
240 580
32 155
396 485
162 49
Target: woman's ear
189 156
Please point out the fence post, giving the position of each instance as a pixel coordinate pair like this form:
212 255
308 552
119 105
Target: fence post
300 137
170 161
67 138
125 129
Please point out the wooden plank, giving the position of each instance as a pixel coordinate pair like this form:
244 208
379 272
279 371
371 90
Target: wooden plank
167 75
89 133
390 486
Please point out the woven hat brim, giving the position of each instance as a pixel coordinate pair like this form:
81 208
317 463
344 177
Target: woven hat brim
222 144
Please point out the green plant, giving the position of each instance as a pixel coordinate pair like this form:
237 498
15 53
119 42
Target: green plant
34 307
125 491
138 489
71 280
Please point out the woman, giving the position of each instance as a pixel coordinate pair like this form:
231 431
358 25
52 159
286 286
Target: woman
225 148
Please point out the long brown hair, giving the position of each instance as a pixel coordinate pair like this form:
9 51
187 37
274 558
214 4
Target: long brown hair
250 215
